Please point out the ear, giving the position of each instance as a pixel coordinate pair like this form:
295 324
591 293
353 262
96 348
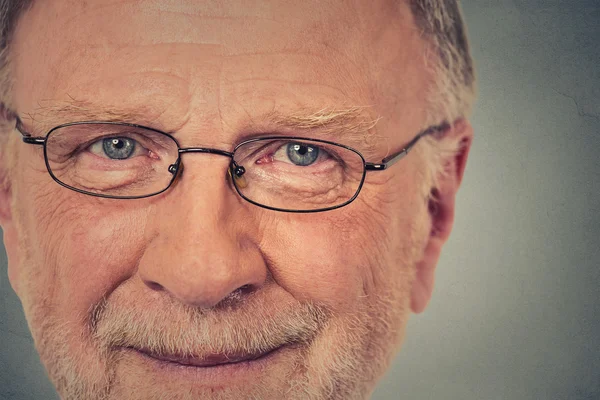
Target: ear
441 212
9 231
11 245
10 237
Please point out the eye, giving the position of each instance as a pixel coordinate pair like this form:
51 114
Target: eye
114 148
300 154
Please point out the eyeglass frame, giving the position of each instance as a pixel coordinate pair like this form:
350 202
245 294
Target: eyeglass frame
385 163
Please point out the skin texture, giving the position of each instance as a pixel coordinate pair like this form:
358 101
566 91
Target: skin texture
197 270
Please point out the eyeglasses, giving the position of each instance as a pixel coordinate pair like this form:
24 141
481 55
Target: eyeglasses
281 173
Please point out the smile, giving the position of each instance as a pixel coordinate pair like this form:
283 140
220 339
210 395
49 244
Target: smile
214 370
212 360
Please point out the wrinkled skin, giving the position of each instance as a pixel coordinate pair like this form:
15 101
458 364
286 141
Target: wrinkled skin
197 268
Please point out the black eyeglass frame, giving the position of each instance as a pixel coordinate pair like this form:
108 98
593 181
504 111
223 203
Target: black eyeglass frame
234 169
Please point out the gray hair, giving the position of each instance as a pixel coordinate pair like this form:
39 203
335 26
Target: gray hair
452 94
441 24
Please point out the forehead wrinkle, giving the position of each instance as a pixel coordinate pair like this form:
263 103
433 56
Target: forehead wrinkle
215 10
304 83
77 13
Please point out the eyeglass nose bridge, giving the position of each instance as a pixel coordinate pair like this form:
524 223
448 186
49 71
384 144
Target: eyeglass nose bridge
238 170
206 150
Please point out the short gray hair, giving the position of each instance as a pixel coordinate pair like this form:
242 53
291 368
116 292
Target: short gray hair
441 24
452 93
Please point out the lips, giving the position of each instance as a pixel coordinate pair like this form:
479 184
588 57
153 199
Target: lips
211 360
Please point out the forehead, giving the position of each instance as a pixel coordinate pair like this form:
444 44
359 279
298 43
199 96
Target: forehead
173 56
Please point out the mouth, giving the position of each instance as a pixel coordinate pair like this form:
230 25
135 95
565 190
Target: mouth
203 371
206 361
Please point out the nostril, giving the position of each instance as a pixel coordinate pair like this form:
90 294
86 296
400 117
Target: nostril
154 285
245 289
237 295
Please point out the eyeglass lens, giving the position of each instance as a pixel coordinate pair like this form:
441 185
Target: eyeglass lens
293 174
119 161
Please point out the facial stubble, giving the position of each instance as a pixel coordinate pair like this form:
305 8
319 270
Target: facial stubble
340 358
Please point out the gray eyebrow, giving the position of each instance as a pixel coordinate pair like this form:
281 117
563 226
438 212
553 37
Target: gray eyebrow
351 125
350 119
53 113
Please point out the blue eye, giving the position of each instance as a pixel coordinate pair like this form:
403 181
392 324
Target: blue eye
119 148
302 154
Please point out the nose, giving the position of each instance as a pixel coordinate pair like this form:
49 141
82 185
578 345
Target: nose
203 247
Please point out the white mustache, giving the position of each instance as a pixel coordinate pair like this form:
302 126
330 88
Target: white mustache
185 331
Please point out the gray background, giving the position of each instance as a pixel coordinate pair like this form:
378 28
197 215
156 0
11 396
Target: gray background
516 308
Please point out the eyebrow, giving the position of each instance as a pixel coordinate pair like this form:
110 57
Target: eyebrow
49 116
328 120
349 124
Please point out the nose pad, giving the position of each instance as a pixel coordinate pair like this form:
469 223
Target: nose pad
238 176
176 167
239 171
177 171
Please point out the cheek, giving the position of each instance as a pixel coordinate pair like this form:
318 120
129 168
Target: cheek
329 257
80 248
367 249
98 256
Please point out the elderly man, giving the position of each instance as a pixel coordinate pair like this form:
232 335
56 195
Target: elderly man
216 200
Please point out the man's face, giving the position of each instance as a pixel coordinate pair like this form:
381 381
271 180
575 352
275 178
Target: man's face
121 294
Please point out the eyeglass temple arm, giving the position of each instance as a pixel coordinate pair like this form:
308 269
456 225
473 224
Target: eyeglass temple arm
394 158
27 138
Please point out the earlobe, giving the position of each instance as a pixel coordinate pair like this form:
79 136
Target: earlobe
441 213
